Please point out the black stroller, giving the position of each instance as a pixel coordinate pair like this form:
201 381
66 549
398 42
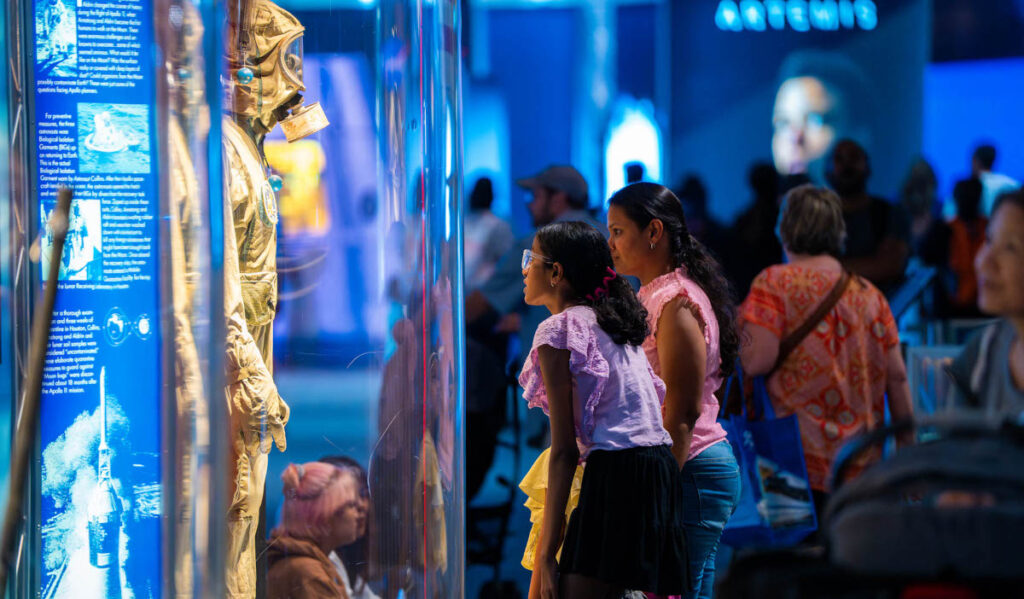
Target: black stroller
940 519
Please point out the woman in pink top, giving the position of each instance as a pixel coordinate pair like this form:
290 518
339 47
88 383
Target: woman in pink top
692 346
587 371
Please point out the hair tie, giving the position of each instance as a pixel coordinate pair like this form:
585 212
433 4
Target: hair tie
602 289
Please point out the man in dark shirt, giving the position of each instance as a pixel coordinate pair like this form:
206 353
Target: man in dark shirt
877 231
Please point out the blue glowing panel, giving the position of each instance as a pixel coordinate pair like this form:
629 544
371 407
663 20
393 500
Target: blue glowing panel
93 124
485 140
633 138
972 102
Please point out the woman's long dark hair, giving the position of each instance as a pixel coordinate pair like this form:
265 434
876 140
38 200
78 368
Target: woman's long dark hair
644 202
587 267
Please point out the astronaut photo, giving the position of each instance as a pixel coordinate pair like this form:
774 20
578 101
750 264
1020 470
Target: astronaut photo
56 38
82 259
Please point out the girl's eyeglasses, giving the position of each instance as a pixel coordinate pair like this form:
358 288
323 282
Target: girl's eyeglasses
529 256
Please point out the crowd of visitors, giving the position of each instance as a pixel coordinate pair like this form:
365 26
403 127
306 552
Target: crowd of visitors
628 329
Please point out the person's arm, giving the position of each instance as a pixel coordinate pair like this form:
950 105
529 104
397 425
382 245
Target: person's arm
564 456
897 388
758 350
683 355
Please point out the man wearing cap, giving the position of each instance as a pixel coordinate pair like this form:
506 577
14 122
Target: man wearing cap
559 193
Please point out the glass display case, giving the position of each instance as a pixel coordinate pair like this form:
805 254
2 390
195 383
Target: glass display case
256 353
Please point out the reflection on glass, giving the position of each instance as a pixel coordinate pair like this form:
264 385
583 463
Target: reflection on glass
187 264
367 346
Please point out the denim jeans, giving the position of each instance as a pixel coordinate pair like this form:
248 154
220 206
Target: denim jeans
711 489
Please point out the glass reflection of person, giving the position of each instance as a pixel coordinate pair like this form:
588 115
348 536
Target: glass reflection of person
393 465
352 560
187 119
324 508
821 98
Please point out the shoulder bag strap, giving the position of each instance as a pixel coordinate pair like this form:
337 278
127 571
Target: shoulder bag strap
792 340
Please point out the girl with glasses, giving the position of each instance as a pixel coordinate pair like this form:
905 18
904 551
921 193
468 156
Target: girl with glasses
588 372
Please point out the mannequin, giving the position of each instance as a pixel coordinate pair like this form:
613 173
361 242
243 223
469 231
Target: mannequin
264 56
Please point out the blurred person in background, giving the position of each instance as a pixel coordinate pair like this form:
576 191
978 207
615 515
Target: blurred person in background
693 194
557 194
322 510
635 172
691 345
919 198
837 379
951 248
487 237
496 309
754 244
877 231
994 184
989 373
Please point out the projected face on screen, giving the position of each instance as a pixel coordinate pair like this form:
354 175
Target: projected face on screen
803 122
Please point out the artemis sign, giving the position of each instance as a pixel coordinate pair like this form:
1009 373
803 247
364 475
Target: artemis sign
797 15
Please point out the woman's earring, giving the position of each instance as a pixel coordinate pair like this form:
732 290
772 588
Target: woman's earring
552 282
652 246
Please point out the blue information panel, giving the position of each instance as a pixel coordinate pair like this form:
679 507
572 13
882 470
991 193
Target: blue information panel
93 126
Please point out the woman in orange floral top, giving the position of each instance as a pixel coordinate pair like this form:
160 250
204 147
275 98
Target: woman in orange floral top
837 379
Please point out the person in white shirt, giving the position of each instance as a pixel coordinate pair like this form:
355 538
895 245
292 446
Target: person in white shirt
993 184
486 236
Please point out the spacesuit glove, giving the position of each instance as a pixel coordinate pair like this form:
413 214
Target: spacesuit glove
277 417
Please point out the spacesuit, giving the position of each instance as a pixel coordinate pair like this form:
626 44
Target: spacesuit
265 54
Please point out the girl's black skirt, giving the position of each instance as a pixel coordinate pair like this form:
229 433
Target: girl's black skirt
628 527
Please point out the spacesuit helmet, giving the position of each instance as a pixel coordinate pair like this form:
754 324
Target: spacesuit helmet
265 60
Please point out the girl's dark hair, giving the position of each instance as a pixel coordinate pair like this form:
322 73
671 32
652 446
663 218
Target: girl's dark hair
586 260
644 202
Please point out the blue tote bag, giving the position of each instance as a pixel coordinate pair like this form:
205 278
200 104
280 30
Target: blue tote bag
776 508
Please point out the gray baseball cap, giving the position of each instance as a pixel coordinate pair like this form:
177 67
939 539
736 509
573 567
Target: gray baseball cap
560 177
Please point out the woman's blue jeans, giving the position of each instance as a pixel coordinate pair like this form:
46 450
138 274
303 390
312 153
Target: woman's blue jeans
711 489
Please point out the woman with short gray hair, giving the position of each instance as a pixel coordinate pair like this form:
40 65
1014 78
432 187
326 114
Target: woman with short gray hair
812 222
825 339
